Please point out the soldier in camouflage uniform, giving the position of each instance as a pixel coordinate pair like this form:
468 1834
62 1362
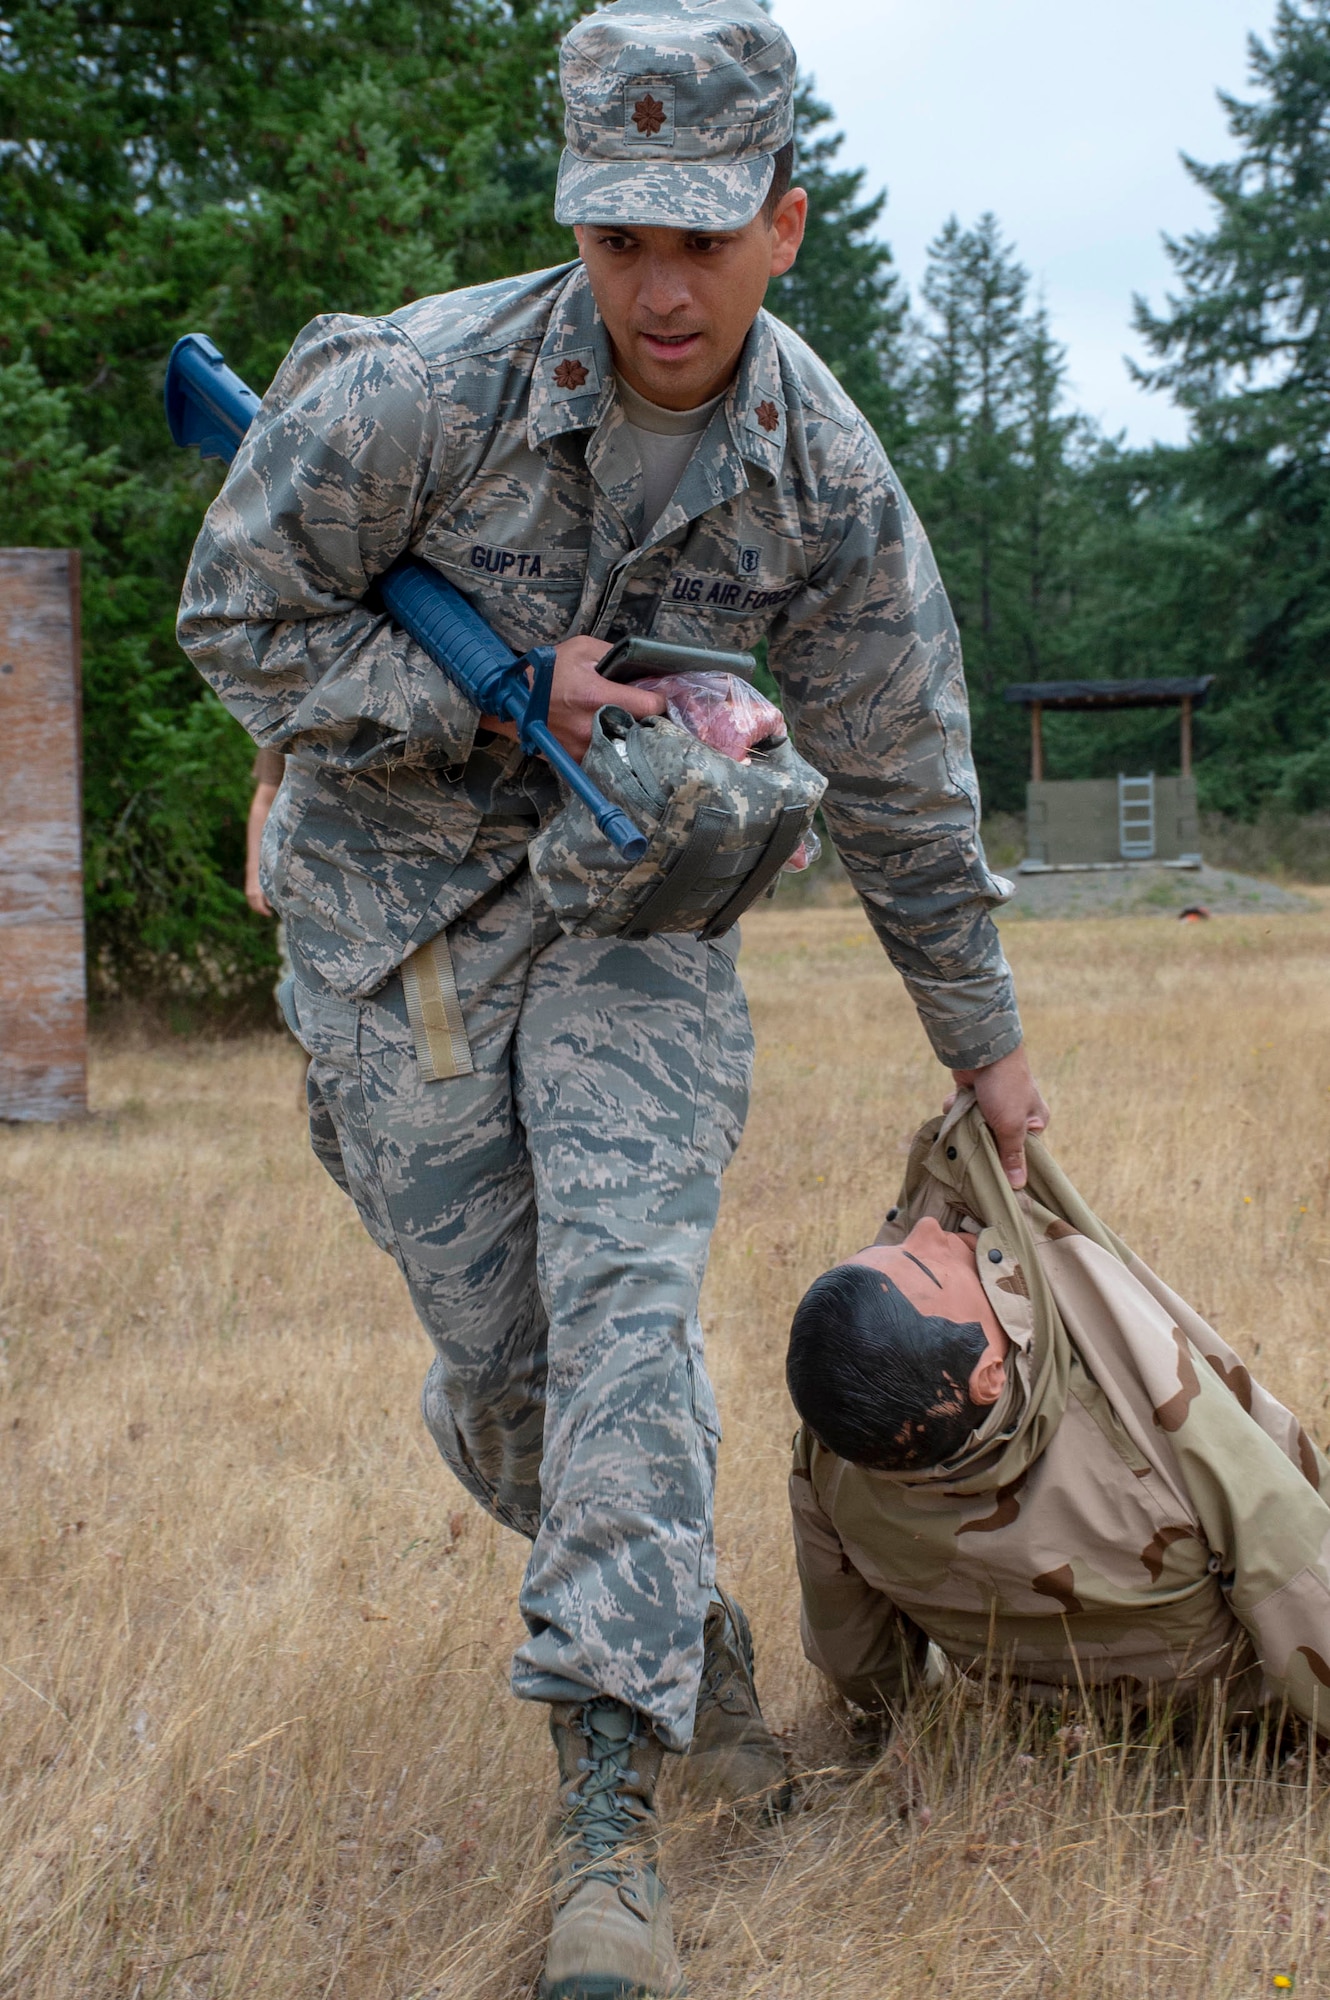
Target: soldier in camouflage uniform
535 1124
1129 1509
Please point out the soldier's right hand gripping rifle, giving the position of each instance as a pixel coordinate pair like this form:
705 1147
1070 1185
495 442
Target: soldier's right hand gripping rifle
720 831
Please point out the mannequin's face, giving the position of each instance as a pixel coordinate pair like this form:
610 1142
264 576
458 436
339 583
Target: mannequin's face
936 1270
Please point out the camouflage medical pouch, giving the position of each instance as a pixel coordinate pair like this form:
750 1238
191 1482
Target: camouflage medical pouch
718 832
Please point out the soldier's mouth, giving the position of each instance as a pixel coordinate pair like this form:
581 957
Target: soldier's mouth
670 346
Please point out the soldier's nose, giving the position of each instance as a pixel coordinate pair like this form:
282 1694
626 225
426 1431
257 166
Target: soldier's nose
663 293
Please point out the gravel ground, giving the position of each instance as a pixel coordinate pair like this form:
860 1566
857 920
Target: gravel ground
1144 890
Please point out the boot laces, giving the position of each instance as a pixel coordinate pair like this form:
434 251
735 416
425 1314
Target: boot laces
725 1668
601 1820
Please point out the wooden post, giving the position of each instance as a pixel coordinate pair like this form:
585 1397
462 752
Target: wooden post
43 1006
1036 741
1186 735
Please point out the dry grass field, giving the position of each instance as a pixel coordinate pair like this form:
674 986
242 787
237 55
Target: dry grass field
255 1738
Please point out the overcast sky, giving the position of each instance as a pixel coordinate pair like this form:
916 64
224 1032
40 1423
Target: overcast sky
1066 119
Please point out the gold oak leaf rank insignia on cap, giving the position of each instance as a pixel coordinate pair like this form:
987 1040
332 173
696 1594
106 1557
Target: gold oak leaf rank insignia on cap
570 374
648 115
675 110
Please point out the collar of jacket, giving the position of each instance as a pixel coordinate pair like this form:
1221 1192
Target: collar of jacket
954 1175
572 383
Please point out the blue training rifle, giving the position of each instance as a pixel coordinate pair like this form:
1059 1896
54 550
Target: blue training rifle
208 405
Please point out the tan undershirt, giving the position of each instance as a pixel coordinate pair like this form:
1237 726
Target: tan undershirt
665 440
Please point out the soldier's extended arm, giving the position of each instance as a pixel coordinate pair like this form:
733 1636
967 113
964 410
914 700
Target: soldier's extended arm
868 660
867 1649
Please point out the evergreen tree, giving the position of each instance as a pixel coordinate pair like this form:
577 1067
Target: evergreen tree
994 463
1051 446
969 383
1244 348
237 169
843 294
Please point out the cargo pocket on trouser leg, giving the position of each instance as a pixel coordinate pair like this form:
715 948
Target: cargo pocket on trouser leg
725 1061
323 1132
329 1032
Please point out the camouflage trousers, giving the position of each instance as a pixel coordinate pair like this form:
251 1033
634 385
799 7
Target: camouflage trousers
551 1214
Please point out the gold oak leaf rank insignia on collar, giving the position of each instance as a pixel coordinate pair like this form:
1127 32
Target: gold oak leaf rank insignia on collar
570 374
768 416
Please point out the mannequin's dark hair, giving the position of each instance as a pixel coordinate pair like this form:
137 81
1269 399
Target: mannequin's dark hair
877 1381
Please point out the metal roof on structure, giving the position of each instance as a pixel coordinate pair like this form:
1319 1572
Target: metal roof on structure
1110 694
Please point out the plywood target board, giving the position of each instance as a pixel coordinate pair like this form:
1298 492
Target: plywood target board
43 985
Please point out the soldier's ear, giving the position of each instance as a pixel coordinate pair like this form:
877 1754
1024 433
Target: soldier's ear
988 1379
787 231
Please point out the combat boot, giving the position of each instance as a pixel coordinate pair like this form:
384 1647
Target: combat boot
611 1937
734 1756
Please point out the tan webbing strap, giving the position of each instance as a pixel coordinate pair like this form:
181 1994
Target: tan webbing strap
435 1012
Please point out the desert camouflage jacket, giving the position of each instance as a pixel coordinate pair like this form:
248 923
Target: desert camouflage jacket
481 430
1135 1509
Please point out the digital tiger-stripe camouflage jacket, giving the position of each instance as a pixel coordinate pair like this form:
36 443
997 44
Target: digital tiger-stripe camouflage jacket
482 431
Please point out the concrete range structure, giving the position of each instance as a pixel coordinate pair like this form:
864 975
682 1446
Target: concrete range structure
43 988
1111 822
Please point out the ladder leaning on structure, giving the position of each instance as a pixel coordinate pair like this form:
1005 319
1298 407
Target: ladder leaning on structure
1106 822
1136 817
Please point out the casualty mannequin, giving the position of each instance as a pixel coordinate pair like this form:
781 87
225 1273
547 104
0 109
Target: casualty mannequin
1020 1445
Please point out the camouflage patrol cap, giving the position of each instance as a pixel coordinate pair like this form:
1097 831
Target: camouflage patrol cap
674 109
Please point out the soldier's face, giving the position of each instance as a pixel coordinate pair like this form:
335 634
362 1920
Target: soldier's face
937 1271
677 305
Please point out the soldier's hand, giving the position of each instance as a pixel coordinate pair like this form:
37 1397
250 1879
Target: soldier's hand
577 691
1012 1105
